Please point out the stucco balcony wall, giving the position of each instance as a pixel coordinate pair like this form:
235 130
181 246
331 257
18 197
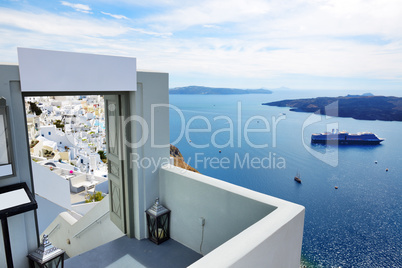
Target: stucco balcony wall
243 228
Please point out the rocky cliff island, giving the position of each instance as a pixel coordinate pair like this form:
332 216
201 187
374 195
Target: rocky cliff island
179 159
363 107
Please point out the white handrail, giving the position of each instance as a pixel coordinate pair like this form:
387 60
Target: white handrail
56 227
96 221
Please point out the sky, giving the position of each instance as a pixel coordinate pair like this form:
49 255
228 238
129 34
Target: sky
299 44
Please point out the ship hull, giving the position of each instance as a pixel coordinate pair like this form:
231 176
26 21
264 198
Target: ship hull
346 142
344 138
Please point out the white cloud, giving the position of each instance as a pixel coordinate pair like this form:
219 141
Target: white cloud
210 26
151 33
77 7
209 12
255 41
286 18
52 24
119 17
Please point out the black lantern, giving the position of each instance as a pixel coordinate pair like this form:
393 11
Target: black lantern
158 223
6 166
46 256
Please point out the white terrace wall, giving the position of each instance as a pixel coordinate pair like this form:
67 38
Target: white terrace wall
243 228
51 186
274 241
227 209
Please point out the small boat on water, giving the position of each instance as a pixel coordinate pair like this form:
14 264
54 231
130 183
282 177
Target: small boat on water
297 177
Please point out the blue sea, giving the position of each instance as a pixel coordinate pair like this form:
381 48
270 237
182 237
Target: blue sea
356 225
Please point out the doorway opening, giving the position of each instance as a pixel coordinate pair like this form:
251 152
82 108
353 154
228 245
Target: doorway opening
69 139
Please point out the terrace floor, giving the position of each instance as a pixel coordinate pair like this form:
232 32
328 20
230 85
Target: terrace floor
77 198
126 252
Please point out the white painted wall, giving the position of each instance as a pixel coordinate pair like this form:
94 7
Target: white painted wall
59 71
226 208
47 212
57 136
274 241
243 228
152 89
51 186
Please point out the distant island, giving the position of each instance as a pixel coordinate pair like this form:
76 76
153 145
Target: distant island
198 90
362 107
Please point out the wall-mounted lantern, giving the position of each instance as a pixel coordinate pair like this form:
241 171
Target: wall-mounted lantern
46 256
158 223
6 166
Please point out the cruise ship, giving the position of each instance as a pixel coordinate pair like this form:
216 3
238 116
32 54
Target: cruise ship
343 137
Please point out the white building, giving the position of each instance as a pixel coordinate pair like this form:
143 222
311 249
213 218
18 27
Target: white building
52 133
240 227
33 123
